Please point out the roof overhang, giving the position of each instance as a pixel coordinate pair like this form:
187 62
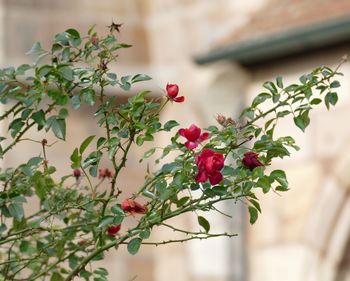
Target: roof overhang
282 44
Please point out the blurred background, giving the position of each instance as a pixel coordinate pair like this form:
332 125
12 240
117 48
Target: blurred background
220 53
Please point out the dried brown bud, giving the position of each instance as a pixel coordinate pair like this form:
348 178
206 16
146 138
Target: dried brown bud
221 119
225 122
44 142
230 121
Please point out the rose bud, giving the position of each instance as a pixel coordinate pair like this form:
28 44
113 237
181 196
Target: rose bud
172 90
105 173
77 174
133 207
94 40
193 136
250 160
113 230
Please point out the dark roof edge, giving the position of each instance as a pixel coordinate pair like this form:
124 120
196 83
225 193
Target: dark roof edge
282 43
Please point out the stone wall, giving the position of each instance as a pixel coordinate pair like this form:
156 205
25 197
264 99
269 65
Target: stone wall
300 236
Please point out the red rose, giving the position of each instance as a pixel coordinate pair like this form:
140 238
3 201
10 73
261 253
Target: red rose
77 173
133 207
209 165
113 230
250 160
172 90
193 136
105 173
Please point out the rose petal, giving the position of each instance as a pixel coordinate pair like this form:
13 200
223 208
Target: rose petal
191 145
201 176
215 178
192 133
203 136
179 99
182 132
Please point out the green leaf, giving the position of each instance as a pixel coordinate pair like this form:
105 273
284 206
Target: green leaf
34 161
140 77
59 128
16 211
3 228
335 84
88 95
331 98
63 113
260 99
256 204
56 277
280 177
302 121
75 158
148 154
85 144
145 234
39 118
169 125
36 49
44 70
74 33
271 87
204 223
107 220
134 245
117 210
279 82
66 73
316 101
253 212
75 100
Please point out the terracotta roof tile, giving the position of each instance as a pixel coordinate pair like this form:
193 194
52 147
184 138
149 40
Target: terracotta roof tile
283 15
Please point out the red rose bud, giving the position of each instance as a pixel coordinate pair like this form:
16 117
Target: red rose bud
193 136
105 173
250 160
94 40
172 90
133 207
113 230
77 173
209 165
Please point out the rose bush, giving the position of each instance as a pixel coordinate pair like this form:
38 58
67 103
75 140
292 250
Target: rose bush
76 222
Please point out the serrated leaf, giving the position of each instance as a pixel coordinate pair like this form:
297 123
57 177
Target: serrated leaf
134 245
204 223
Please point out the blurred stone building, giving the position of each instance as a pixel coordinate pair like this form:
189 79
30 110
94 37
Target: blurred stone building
220 53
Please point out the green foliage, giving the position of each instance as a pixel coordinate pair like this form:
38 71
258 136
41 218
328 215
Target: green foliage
72 224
